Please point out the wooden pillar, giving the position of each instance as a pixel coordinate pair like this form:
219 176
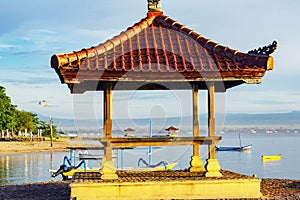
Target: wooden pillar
108 168
51 132
107 117
195 118
196 162
107 111
211 119
212 166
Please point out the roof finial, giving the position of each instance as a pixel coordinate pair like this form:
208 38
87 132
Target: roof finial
154 6
266 50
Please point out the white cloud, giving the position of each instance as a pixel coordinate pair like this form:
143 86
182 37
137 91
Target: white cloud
7 46
43 31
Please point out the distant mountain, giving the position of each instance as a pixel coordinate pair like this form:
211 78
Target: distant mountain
276 119
244 120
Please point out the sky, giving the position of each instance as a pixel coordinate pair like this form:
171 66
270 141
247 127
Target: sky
33 30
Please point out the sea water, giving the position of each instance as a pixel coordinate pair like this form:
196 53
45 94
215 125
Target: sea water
33 167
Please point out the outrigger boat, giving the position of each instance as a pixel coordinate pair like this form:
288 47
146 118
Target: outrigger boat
270 157
235 148
70 166
67 169
161 166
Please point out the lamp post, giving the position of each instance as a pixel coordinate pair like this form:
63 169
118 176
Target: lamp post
46 104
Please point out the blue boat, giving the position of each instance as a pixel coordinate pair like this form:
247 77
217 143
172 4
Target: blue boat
234 148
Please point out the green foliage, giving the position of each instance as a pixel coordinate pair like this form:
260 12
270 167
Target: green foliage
27 120
12 118
8 112
46 129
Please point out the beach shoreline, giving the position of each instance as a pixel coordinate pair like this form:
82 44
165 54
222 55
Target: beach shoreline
17 147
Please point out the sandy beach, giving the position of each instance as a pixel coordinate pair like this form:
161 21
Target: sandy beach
15 147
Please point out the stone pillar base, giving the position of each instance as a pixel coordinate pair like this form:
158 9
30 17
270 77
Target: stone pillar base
213 168
196 164
108 170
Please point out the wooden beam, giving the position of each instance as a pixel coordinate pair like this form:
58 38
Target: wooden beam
159 141
91 85
76 76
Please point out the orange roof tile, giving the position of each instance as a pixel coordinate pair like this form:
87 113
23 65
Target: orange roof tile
172 128
159 49
129 130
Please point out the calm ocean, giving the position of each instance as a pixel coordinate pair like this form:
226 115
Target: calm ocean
33 167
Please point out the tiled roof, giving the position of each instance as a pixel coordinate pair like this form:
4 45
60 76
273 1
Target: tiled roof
160 49
172 128
129 130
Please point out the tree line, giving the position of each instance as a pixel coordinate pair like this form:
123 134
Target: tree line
16 120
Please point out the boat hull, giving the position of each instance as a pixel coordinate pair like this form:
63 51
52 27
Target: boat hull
149 169
266 158
69 174
237 148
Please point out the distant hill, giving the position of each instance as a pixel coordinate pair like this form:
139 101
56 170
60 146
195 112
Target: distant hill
274 119
241 120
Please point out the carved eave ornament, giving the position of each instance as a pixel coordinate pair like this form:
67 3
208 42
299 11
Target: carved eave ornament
154 6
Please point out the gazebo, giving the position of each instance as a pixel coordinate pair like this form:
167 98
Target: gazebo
172 131
159 53
129 132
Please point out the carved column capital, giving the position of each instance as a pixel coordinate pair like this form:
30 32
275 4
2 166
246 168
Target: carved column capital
154 6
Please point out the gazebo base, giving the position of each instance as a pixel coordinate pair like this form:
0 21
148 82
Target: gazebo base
164 185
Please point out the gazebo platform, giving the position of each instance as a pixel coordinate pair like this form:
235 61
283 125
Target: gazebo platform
165 185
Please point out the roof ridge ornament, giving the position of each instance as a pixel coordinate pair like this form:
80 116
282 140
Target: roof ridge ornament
266 50
154 6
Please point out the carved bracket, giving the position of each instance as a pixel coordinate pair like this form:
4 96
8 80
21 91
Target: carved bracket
266 50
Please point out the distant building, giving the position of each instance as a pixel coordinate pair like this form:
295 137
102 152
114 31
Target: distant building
129 132
172 131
